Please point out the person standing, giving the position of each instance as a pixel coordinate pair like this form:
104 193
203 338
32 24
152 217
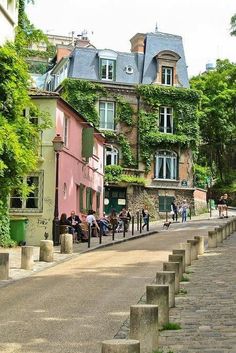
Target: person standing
184 209
220 207
174 211
145 215
225 205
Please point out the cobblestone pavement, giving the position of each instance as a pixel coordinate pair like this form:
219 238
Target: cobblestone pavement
207 313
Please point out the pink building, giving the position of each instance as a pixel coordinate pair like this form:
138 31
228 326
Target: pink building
80 178
80 169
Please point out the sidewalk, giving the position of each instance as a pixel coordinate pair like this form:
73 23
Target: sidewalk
207 312
15 253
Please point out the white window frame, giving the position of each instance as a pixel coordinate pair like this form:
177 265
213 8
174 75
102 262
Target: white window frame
66 122
106 63
114 153
106 109
167 73
164 113
165 156
23 208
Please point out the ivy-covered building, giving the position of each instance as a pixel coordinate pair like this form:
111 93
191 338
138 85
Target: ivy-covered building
142 103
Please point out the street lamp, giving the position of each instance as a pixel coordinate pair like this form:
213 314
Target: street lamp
58 145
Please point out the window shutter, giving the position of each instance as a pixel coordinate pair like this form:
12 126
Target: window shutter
87 142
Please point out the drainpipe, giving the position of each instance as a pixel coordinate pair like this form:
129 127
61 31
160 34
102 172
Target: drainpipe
138 135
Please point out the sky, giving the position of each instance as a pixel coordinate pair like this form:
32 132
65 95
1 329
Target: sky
204 25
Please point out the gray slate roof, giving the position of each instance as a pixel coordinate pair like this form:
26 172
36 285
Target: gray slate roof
85 61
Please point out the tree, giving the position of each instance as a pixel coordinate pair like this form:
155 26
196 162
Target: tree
233 25
18 136
217 118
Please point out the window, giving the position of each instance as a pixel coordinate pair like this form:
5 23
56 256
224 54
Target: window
81 197
107 69
98 198
167 76
107 113
89 199
112 155
166 165
165 203
65 130
33 202
166 120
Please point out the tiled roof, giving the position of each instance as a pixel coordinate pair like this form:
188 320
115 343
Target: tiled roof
42 93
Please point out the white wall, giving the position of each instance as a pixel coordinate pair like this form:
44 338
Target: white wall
8 20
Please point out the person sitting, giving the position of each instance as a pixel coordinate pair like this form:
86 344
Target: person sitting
113 219
74 222
65 226
104 225
91 220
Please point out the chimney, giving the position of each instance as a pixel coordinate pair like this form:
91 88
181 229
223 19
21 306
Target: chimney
137 43
63 51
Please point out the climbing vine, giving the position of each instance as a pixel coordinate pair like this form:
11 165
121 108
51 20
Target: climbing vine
83 95
115 174
127 156
185 119
124 111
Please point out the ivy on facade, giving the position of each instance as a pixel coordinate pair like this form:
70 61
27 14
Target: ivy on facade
185 119
115 174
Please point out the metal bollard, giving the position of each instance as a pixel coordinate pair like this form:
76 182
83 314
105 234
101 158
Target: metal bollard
137 215
132 224
89 235
100 235
140 224
113 232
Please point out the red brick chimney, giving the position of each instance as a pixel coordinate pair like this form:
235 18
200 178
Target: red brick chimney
137 43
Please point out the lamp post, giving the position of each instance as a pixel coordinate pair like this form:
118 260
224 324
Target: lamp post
58 146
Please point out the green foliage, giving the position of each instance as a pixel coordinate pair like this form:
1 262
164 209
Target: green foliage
115 174
19 138
184 279
200 175
124 111
185 119
83 95
182 291
109 134
233 25
171 326
217 119
128 159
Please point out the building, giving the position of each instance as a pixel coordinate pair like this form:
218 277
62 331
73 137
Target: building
80 169
147 113
8 20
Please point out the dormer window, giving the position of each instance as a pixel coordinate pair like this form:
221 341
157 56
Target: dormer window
107 65
107 69
167 68
167 76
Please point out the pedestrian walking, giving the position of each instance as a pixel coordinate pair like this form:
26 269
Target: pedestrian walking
174 211
145 215
183 210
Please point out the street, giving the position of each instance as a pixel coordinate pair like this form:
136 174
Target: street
75 305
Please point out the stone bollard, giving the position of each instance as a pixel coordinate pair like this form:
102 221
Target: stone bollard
4 266
180 259
66 243
167 277
200 244
228 229
180 252
224 235
231 227
121 346
27 257
159 295
212 239
144 326
219 237
234 224
173 266
187 248
194 244
46 251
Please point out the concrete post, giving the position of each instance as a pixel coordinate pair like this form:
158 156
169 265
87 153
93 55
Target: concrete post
144 326
66 243
159 295
121 346
187 248
180 259
200 244
231 226
46 251
224 235
234 224
212 240
4 266
167 277
173 266
27 257
228 229
219 238
180 252
194 254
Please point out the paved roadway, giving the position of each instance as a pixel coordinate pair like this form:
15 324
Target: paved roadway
72 307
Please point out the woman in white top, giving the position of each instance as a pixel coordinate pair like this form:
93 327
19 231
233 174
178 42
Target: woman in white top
91 220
